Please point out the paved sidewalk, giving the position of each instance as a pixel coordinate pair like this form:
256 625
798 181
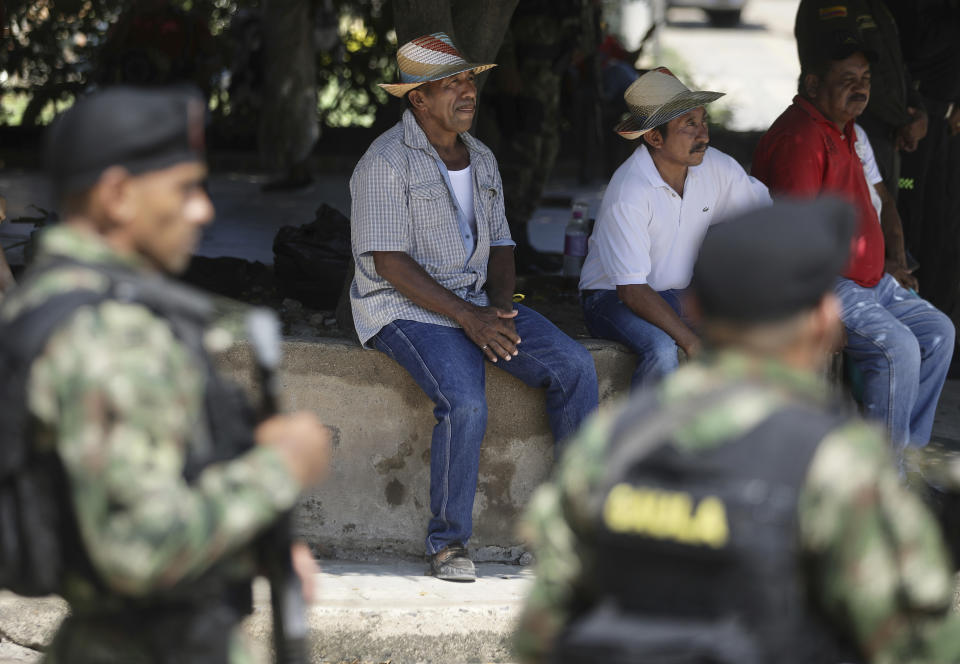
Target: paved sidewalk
392 612
365 613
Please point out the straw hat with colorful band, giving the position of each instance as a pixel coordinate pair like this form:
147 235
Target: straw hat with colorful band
429 58
658 97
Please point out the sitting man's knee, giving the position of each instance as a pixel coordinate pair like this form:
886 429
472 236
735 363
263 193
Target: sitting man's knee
468 405
664 354
580 360
905 355
945 334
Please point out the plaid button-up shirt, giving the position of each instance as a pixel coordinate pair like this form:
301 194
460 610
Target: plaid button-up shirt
401 201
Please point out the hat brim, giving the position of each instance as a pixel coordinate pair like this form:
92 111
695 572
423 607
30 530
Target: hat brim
400 89
634 127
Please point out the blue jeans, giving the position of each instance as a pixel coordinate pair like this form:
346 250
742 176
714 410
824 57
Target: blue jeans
902 345
450 369
607 317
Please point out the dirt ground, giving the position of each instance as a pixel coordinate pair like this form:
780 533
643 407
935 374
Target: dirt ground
255 283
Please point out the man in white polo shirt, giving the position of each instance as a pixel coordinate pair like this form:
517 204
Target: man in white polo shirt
653 217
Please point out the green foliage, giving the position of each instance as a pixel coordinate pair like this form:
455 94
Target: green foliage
52 50
349 73
47 49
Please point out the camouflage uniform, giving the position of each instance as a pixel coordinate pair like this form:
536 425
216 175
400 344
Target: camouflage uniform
121 399
887 582
539 44
891 90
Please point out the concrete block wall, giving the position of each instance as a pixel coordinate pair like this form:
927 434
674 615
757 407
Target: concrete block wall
375 502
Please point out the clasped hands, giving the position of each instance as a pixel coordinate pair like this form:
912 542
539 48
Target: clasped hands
493 330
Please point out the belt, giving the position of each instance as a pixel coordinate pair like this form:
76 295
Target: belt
584 294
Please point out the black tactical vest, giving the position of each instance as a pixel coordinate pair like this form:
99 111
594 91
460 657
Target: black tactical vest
698 558
39 542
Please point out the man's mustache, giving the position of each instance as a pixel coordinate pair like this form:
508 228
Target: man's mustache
699 147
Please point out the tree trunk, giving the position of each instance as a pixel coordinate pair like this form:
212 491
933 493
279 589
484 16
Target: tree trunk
476 26
288 121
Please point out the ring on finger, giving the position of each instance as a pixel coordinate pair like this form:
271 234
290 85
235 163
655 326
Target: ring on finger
484 347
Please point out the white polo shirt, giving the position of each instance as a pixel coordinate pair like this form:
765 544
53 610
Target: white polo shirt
647 234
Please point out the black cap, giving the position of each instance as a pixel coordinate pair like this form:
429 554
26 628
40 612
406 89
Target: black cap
837 44
774 261
138 128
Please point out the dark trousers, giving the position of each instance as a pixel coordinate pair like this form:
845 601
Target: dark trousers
928 209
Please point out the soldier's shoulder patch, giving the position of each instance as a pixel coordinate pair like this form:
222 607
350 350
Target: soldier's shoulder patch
866 22
836 11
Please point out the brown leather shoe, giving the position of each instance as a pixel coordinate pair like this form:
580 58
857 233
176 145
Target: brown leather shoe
453 564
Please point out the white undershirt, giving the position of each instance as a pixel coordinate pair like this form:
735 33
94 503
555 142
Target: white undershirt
462 182
870 169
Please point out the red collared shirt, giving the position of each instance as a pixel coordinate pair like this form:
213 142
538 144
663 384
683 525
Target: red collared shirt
803 154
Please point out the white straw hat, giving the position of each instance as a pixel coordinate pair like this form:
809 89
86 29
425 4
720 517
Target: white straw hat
429 58
657 97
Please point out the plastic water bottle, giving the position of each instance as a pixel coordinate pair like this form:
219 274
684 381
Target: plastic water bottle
575 241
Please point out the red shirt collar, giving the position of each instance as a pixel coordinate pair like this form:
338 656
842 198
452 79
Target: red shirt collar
807 107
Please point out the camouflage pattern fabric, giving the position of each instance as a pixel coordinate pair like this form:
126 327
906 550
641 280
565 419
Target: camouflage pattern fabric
881 573
540 43
936 465
120 399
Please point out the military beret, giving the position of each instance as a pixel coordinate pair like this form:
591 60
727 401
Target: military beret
773 261
139 129
831 45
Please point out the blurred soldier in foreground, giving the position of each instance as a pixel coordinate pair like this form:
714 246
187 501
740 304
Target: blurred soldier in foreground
735 513
160 481
6 276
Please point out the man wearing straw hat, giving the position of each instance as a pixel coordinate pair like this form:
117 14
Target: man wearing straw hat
653 217
434 283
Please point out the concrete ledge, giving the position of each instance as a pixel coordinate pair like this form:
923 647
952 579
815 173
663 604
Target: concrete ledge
376 501
27 626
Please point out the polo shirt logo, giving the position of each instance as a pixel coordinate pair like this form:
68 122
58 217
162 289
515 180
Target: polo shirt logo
837 11
706 208
831 146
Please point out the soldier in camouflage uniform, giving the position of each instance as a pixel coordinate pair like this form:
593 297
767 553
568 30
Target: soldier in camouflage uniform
734 513
543 38
160 521
895 118
6 276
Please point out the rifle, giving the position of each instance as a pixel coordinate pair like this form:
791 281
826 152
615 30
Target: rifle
286 594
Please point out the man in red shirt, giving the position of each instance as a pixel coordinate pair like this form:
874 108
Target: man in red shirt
900 342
